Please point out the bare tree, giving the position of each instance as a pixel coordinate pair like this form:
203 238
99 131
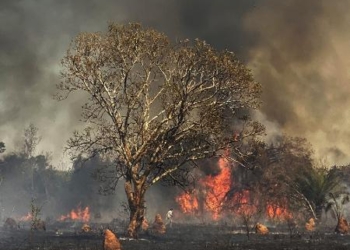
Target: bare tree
154 107
31 139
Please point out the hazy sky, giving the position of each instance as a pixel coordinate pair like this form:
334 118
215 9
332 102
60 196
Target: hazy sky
299 51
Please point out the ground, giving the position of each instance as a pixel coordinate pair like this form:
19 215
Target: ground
180 237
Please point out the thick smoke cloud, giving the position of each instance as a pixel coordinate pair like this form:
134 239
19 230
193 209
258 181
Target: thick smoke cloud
302 60
36 35
33 41
297 49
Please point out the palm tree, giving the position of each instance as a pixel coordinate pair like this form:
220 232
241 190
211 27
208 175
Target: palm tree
318 187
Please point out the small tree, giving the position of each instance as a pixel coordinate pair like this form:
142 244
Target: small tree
2 150
336 205
281 170
31 139
2 147
154 107
35 215
247 206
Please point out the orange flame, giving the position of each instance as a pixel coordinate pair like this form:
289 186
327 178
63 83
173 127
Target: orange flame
27 217
212 196
275 211
216 188
242 204
77 214
188 203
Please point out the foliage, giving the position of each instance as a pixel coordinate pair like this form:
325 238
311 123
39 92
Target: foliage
272 168
154 107
35 211
320 186
286 175
336 204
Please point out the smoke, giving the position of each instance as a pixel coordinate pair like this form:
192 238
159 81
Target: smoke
297 49
302 60
33 41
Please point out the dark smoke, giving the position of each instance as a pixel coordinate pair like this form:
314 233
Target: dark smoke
297 49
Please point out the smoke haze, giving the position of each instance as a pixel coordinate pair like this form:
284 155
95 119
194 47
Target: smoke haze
302 60
298 50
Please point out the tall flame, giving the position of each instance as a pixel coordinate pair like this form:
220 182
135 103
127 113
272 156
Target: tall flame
188 203
213 192
216 188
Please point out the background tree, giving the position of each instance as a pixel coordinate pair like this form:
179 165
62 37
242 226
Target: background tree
289 178
320 187
270 171
336 206
31 139
154 107
2 150
2 147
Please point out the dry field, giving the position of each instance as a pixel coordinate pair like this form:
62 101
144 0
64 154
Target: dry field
186 237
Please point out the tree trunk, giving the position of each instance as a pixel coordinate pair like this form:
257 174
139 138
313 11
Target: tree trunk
135 193
318 212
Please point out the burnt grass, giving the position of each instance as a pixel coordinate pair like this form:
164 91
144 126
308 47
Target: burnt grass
181 236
